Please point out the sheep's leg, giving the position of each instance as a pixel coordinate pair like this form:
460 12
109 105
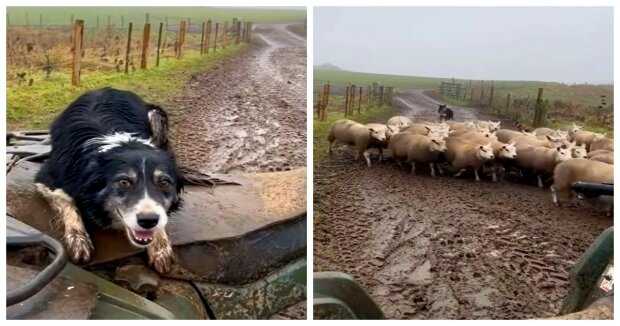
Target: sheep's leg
494 175
476 173
540 183
367 156
554 196
459 173
331 144
413 168
439 168
380 154
432 169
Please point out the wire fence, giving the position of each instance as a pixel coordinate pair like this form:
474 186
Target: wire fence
36 52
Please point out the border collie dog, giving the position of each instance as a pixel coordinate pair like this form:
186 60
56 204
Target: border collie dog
111 167
445 113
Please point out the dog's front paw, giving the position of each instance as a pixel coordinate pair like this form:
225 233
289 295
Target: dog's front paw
79 246
161 258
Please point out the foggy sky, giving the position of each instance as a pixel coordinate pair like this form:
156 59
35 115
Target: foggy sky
511 43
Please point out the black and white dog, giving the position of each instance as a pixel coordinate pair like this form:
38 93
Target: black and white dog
111 166
445 113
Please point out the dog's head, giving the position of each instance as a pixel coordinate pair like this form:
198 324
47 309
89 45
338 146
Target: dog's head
139 186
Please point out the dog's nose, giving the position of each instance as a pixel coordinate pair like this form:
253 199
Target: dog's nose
148 221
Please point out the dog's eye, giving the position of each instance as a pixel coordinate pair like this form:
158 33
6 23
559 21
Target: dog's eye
164 184
124 183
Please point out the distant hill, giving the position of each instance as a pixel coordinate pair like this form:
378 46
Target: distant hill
327 66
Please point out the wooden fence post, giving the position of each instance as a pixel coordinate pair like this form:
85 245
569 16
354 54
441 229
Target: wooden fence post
215 38
248 33
381 96
491 95
325 101
97 25
161 26
202 38
346 101
352 102
166 19
148 21
359 105
78 35
181 40
225 35
146 34
539 113
128 48
508 101
27 21
208 38
238 37
122 22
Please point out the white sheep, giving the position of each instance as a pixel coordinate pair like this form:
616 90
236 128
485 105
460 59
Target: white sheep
399 121
354 134
601 142
602 155
541 159
571 171
490 125
414 148
467 125
585 137
502 151
463 154
380 145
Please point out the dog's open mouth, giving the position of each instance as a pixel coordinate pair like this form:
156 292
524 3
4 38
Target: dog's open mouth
141 238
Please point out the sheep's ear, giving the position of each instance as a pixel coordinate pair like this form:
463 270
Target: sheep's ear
427 128
371 129
549 137
512 142
583 145
482 147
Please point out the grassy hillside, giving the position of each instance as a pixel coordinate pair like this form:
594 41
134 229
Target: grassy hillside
137 15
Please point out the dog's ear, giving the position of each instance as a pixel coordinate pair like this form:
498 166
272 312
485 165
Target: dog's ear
158 121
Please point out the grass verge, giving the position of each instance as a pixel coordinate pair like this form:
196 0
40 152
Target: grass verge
321 128
34 107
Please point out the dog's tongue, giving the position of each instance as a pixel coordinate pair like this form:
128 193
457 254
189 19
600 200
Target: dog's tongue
142 234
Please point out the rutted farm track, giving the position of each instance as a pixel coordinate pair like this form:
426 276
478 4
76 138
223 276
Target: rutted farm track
437 248
249 113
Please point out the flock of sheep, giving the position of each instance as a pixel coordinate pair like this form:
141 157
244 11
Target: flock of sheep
568 155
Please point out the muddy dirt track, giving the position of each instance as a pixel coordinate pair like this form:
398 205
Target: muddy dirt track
446 248
249 113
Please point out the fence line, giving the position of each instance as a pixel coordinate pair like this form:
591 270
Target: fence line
370 93
34 50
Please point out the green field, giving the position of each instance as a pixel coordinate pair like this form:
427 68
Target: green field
137 15
582 93
34 107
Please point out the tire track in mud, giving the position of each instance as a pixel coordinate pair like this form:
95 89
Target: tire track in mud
248 113
448 248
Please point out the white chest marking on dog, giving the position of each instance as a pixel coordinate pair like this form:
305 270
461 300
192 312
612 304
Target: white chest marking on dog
108 142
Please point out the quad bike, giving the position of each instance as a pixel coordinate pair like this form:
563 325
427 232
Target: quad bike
240 248
590 296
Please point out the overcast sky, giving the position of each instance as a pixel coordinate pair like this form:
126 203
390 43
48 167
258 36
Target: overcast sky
512 43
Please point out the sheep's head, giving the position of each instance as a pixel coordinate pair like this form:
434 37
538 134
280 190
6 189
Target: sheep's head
563 153
377 134
508 151
438 145
494 126
579 151
485 152
575 128
391 130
